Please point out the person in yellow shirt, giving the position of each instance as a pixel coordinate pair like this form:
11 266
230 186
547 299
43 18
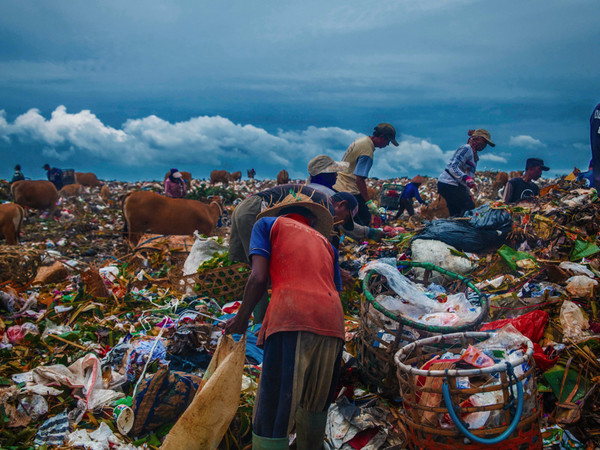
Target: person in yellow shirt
359 156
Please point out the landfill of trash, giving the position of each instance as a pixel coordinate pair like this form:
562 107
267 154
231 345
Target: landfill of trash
105 346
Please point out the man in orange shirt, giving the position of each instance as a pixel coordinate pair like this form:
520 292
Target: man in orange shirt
303 330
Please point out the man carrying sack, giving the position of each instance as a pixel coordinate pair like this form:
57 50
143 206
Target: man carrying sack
303 330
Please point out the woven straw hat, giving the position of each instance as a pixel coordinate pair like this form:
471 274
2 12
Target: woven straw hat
324 219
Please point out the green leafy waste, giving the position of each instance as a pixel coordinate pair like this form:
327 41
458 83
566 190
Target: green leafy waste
205 191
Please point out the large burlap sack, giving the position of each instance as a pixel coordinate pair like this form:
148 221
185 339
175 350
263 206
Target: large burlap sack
205 421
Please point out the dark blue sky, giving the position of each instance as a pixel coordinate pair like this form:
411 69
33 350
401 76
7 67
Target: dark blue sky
130 89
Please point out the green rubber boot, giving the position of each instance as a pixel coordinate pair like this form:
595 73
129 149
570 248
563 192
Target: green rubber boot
263 443
310 429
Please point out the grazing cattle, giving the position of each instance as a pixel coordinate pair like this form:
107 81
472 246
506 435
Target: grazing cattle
219 176
235 176
87 179
283 177
11 219
436 209
251 173
71 190
515 174
149 212
499 182
36 194
186 176
105 193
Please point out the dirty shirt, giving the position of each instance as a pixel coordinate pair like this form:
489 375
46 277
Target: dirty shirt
461 166
518 189
359 155
305 277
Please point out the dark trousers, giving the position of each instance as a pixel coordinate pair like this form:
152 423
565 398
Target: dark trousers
405 204
363 216
458 198
316 360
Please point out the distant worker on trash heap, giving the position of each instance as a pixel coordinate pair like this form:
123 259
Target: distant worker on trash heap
456 180
54 176
322 175
341 206
523 188
18 175
587 176
411 190
360 155
175 185
595 144
303 331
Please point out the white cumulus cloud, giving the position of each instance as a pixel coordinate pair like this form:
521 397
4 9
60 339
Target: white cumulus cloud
526 142
203 140
210 142
412 156
493 158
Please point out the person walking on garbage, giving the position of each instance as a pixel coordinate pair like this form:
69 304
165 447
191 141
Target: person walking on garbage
322 175
18 175
523 188
411 190
340 206
174 185
303 331
457 178
359 155
54 176
595 144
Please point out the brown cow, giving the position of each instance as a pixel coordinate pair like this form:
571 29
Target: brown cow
149 212
499 182
185 175
437 209
71 190
515 174
283 177
87 179
36 194
235 176
105 193
11 219
221 176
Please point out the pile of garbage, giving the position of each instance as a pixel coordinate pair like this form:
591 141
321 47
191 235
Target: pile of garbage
105 346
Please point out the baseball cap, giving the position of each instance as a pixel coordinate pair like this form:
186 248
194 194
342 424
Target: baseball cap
387 130
325 164
484 134
352 206
535 162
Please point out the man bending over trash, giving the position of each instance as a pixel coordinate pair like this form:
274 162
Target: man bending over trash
303 330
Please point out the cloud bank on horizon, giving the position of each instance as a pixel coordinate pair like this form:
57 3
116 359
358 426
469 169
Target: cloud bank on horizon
214 141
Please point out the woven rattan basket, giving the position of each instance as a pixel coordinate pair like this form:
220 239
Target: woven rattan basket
380 336
511 420
224 284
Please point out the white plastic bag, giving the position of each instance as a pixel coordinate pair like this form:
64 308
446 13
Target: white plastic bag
581 286
202 250
573 321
